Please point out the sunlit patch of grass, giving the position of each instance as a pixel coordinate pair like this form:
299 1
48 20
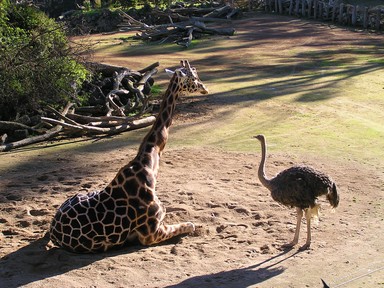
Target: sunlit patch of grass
306 100
376 61
324 63
156 91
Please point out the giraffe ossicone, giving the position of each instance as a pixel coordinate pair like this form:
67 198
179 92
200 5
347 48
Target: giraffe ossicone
128 207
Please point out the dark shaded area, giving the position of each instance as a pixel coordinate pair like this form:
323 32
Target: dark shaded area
42 263
242 277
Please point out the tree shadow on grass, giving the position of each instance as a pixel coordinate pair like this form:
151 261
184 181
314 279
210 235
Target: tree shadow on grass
239 278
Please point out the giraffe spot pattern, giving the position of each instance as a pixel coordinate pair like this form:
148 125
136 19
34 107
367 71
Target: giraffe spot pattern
128 206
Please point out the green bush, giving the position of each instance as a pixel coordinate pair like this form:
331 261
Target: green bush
37 65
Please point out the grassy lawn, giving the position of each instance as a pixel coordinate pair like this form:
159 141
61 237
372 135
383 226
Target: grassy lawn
313 99
318 91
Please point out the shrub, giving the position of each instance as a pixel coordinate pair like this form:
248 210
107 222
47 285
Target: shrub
37 65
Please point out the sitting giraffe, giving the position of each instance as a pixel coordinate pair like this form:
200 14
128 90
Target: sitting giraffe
128 208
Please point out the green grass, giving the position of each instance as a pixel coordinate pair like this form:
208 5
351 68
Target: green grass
325 100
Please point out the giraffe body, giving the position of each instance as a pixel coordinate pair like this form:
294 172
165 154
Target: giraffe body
128 207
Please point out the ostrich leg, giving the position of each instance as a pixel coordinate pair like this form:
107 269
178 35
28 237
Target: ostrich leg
299 212
308 216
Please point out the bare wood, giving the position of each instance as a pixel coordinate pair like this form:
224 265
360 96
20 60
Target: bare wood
365 17
118 77
136 124
219 12
290 7
61 116
32 140
149 68
354 14
131 20
64 124
207 30
98 109
297 7
10 125
341 12
108 69
377 18
203 19
115 108
40 138
178 29
146 76
279 2
88 119
192 10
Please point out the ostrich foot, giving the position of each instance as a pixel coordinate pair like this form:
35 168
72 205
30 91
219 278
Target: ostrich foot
289 245
305 247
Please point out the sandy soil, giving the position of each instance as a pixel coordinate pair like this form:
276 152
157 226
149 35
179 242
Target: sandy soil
240 228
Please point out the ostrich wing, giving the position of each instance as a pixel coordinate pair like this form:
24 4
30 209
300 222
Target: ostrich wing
299 186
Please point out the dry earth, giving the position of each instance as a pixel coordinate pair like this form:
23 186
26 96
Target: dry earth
241 229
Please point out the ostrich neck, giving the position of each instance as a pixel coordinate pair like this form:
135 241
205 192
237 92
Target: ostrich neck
261 172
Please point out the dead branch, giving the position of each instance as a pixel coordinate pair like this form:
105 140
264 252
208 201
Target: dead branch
89 119
116 89
51 133
150 68
9 125
181 33
135 124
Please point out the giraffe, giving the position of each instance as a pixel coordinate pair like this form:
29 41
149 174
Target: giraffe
128 208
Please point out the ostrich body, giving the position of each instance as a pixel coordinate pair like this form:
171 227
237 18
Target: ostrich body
298 186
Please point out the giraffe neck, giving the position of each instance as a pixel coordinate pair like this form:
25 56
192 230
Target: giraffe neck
154 142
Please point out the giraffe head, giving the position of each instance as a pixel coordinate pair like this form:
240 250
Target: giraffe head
188 79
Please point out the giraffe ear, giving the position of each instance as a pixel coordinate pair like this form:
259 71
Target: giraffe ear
169 72
178 72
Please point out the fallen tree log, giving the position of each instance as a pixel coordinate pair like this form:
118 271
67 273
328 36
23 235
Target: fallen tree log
135 124
51 133
32 140
12 126
212 14
82 119
121 91
181 33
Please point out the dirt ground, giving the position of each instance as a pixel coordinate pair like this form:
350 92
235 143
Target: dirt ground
240 228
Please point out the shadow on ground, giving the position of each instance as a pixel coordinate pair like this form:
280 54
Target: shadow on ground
240 278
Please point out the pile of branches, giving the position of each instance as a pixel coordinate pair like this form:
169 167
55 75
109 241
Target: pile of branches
182 25
117 91
113 94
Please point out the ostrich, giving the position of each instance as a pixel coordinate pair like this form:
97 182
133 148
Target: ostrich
299 187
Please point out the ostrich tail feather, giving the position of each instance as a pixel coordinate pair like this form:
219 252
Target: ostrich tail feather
315 213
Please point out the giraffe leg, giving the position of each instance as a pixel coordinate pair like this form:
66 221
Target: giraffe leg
299 212
308 216
165 232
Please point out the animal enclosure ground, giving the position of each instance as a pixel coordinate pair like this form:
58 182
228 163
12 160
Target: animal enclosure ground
283 77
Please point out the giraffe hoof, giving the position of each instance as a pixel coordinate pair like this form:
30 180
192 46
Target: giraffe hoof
190 227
